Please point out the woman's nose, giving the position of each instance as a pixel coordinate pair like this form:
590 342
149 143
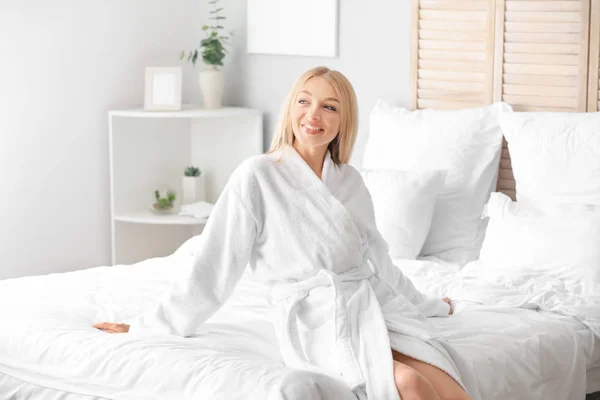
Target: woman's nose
314 113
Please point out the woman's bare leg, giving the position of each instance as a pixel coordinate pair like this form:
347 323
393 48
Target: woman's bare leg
411 384
445 386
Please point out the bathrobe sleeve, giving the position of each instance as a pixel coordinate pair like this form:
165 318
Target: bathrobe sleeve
216 267
379 255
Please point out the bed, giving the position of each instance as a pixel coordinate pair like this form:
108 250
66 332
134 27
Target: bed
49 350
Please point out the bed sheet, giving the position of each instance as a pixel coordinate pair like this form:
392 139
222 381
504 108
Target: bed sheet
52 352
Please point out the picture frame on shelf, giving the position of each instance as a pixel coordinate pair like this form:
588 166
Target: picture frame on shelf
163 89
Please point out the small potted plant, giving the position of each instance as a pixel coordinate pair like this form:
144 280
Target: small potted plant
164 202
213 51
192 183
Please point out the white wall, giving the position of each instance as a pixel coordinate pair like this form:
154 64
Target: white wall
63 65
374 53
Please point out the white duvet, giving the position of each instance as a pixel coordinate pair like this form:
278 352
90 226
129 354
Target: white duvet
48 349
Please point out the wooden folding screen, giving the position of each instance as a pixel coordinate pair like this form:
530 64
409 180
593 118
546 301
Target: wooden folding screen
541 54
452 53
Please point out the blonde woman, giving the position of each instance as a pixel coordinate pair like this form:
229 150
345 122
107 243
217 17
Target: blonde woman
303 220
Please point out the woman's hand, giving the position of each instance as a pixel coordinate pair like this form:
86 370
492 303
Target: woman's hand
447 300
112 328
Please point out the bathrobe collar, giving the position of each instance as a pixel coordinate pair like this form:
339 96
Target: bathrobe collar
308 176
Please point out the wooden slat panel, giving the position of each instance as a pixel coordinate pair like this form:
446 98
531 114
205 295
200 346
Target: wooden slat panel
554 38
490 50
451 86
452 66
594 66
582 90
533 90
564 102
452 76
414 53
505 163
449 45
544 54
431 94
451 55
499 48
504 184
453 5
543 6
542 80
453 26
446 105
528 16
506 181
541 48
450 35
452 15
543 59
506 173
519 108
534 69
542 27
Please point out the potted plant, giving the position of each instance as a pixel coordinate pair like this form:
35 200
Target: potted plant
164 204
192 183
213 51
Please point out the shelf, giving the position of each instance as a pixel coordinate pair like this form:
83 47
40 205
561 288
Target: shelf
148 217
187 111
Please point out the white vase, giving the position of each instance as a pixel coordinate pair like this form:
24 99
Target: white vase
212 83
192 188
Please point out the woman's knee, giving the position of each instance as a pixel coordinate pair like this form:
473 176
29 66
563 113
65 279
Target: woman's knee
411 384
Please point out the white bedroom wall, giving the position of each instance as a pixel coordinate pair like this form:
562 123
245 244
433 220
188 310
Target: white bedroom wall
373 52
64 64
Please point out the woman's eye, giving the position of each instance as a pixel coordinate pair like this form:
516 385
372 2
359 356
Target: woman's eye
302 101
331 108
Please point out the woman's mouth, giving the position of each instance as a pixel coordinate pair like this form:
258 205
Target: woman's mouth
311 129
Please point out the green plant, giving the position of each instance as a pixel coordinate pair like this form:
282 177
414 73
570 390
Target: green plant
213 46
164 203
192 171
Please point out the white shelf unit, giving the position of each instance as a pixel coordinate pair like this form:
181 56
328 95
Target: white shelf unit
149 150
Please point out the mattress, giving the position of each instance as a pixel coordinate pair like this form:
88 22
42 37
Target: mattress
51 352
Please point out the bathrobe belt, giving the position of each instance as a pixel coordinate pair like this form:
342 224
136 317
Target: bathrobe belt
367 318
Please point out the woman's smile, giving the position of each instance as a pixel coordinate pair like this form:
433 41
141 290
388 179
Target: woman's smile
312 129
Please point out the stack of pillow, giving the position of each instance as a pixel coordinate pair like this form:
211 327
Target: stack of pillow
553 229
430 173
432 177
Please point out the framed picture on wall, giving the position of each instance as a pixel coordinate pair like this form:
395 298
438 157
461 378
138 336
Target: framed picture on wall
163 89
293 27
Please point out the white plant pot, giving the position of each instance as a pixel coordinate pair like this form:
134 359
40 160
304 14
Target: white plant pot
212 83
192 189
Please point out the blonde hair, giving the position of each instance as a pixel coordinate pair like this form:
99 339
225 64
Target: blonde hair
341 147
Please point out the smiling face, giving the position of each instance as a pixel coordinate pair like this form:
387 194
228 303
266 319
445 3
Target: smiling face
315 115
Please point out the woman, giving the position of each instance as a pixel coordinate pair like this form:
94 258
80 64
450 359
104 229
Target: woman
303 220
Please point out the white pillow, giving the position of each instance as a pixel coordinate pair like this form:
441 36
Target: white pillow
404 203
557 243
555 156
466 143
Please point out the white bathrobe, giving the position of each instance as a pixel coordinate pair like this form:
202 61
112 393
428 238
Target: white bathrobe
340 304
